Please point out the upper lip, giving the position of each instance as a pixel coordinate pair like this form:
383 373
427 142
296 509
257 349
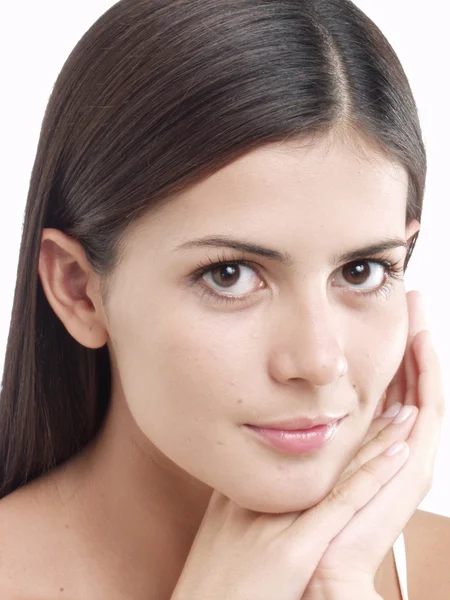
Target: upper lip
301 422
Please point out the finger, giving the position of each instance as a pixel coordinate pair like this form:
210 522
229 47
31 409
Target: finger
381 422
324 521
425 436
416 475
416 309
417 323
397 388
380 406
395 430
423 440
429 386
395 391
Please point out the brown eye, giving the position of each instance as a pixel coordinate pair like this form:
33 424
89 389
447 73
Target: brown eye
361 275
225 275
357 272
237 278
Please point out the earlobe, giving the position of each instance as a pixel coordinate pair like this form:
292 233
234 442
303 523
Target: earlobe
64 274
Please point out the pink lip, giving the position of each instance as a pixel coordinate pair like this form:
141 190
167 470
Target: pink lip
297 441
301 423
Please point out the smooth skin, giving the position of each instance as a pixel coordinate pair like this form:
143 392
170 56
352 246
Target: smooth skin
355 555
338 545
189 371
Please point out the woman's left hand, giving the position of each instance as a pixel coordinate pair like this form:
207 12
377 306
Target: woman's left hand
352 559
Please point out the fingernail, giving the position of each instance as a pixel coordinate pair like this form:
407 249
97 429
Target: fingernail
403 414
395 448
392 410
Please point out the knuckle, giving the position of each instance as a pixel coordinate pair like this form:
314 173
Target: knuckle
384 437
350 469
341 495
373 476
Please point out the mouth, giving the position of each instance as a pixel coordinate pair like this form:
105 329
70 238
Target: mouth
297 441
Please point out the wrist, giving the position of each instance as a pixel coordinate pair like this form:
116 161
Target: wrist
353 594
343 595
342 592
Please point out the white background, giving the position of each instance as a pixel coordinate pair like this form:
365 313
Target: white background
37 37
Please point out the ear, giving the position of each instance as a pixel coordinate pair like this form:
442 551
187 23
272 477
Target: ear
411 229
72 288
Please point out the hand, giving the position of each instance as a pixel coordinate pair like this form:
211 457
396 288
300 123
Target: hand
239 554
354 556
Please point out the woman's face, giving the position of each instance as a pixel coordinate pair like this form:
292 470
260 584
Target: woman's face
265 341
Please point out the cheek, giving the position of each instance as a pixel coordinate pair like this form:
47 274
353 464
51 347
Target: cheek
182 374
381 347
206 363
184 384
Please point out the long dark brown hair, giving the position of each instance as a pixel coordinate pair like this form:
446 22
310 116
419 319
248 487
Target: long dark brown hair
157 95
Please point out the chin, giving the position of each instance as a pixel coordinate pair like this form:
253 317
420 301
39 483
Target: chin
278 500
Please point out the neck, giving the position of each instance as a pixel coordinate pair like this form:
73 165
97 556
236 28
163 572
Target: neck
135 505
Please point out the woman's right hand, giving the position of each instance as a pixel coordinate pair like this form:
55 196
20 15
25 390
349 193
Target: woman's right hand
239 554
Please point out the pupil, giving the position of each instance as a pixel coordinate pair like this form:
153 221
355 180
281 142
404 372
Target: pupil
358 272
228 274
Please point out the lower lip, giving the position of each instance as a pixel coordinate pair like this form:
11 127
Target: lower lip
297 442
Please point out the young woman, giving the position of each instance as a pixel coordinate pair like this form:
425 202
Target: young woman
225 197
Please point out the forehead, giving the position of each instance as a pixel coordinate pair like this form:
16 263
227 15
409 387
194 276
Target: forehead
326 191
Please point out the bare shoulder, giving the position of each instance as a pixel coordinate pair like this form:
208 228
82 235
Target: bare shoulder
21 519
427 542
34 545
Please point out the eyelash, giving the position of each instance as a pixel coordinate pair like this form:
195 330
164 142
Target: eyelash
394 271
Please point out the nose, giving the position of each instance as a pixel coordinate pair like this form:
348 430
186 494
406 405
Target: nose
308 345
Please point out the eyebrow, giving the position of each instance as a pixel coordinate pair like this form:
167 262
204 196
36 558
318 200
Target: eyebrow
284 257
